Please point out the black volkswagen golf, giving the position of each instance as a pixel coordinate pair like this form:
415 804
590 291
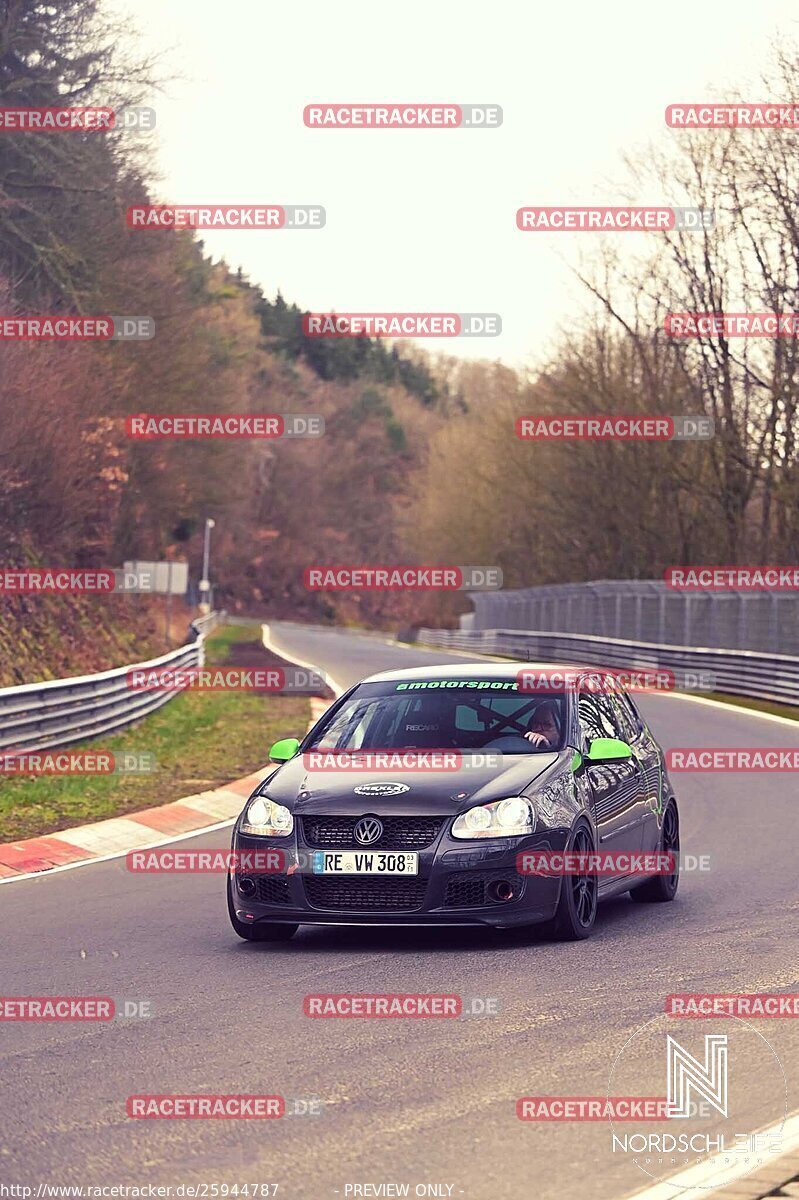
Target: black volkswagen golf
485 794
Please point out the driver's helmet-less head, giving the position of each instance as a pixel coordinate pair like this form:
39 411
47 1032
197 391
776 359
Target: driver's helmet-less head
547 718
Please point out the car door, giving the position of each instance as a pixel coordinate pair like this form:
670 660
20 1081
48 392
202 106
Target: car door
617 788
648 754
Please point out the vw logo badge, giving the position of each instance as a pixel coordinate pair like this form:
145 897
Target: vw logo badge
368 831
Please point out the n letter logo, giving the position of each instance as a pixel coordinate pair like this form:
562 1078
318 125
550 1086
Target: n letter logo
685 1074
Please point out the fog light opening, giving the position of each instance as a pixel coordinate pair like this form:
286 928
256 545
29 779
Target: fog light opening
502 889
246 886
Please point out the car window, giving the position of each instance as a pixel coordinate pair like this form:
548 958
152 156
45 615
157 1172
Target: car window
598 716
640 723
466 717
627 717
502 716
349 726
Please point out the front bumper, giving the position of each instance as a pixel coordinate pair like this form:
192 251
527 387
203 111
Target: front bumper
459 884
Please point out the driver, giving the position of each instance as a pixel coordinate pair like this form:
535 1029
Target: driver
544 728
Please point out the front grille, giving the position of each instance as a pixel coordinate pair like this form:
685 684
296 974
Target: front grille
465 890
399 833
367 895
469 889
273 889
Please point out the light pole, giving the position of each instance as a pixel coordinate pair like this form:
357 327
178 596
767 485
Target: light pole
205 582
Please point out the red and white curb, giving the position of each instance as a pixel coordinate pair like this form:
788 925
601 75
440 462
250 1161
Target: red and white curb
109 839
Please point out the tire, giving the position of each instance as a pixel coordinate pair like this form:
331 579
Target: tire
661 889
264 931
576 912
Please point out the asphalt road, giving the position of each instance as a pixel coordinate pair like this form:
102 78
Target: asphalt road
403 1101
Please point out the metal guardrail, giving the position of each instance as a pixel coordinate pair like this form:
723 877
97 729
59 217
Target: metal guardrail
736 672
204 625
59 712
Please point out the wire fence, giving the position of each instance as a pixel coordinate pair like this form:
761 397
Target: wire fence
646 611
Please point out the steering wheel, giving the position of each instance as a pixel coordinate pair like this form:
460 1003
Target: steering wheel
510 743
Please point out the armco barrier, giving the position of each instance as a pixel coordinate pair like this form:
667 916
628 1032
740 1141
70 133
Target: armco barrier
43 716
736 672
203 625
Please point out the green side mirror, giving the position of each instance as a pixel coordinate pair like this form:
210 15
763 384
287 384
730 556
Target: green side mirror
283 750
608 750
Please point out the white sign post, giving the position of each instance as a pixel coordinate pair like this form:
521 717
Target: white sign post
165 578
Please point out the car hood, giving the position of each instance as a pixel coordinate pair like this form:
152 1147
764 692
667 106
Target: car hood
420 792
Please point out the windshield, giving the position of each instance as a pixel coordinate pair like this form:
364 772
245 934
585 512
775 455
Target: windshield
444 715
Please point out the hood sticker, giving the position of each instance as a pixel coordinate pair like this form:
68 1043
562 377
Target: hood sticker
381 789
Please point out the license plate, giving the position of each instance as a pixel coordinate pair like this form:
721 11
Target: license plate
364 862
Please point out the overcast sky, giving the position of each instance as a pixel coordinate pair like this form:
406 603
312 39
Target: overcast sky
425 221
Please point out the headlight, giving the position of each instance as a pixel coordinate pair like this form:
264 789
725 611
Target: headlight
503 818
267 819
